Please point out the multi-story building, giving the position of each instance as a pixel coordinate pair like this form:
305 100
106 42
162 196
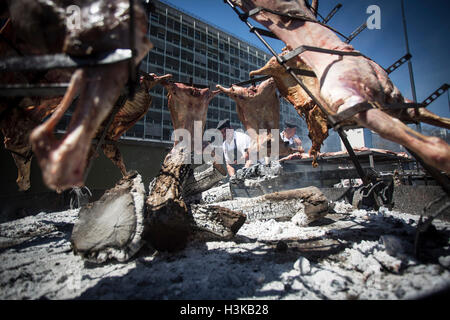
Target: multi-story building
194 50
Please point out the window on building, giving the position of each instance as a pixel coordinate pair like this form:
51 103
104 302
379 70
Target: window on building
213 76
224 114
200 36
173 38
173 24
155 58
154 17
244 66
154 117
212 53
187 68
234 50
157 32
172 51
187 56
200 60
236 72
224 68
162 19
187 30
200 48
212 64
158 45
243 54
234 62
200 72
224 57
187 43
172 63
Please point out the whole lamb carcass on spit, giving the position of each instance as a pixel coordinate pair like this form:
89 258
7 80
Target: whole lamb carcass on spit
188 104
346 80
258 108
315 119
104 27
131 112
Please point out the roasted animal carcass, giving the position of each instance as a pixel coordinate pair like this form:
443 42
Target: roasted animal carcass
258 108
16 125
188 105
131 112
315 119
104 27
347 80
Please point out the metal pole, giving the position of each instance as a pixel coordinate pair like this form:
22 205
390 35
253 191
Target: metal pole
411 74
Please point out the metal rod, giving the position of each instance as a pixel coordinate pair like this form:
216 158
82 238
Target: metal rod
411 74
332 13
398 63
341 133
132 68
61 60
30 90
355 33
436 94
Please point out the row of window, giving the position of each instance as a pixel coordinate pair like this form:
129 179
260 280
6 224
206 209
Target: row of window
200 48
234 69
212 41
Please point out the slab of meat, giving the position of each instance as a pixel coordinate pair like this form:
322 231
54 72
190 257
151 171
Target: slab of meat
16 125
187 105
315 119
132 111
258 108
347 80
104 27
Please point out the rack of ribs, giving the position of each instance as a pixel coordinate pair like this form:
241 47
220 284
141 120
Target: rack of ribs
131 112
187 105
315 119
346 80
16 125
104 27
258 108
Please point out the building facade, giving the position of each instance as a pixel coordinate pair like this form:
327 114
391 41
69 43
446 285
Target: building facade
193 50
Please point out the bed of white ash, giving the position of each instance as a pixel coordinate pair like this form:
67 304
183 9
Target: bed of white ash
350 254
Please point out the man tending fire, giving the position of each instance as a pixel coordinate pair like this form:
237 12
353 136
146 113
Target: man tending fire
290 137
235 147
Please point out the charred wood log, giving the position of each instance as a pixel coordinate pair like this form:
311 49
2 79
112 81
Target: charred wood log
170 222
112 227
302 206
203 178
214 222
167 222
216 194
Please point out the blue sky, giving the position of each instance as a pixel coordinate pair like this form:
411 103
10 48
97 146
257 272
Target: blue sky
428 32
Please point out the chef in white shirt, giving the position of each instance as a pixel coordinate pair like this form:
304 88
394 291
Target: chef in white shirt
235 147
289 136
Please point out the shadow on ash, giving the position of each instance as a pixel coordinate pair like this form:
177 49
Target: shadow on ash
190 237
